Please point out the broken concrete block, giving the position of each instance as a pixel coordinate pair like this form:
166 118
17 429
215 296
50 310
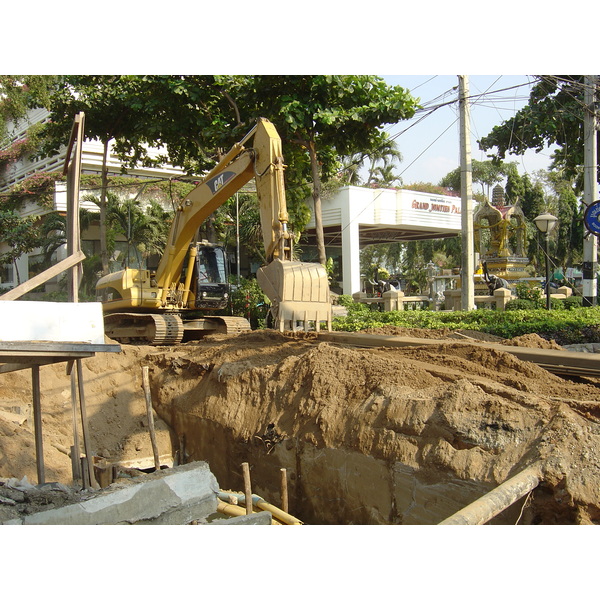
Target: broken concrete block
170 497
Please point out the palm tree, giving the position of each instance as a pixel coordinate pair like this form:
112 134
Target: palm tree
145 232
382 162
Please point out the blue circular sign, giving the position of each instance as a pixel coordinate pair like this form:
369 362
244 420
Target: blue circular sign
591 218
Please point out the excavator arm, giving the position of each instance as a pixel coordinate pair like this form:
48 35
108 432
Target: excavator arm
264 162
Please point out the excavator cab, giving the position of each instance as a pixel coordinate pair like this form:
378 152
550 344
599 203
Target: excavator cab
212 287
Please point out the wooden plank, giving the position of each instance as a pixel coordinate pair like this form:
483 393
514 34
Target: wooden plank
247 487
77 125
44 276
73 171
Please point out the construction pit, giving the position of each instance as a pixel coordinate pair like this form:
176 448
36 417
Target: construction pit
367 435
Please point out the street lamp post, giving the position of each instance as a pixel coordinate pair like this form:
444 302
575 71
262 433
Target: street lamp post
545 223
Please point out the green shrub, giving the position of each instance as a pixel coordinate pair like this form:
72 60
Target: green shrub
521 304
572 302
249 301
526 292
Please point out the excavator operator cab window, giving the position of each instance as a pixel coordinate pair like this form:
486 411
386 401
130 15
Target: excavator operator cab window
211 265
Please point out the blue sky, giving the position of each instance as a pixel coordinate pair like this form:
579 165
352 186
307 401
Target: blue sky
431 147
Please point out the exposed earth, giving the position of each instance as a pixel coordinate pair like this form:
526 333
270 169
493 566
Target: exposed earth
444 416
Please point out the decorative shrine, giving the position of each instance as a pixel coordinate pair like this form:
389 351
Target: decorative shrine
499 237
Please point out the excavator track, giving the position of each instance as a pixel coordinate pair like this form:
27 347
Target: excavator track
231 325
156 330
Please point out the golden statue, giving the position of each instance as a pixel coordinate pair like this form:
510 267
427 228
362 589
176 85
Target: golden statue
499 237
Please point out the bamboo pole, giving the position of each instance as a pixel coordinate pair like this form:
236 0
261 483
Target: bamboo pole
261 504
147 394
284 491
500 498
247 487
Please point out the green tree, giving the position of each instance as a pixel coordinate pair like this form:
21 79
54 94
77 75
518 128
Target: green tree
486 173
20 93
322 118
562 201
196 118
21 234
108 104
553 116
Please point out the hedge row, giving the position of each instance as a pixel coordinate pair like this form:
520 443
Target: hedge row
565 326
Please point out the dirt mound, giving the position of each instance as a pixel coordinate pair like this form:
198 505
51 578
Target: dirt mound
434 334
533 340
448 412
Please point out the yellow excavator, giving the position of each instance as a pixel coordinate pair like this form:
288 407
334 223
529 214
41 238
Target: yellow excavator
160 306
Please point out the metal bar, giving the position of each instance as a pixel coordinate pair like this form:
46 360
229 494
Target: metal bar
494 502
75 449
37 422
51 349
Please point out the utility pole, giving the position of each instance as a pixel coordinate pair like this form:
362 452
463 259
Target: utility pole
590 187
467 288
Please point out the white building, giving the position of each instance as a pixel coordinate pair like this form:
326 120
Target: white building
356 217
91 163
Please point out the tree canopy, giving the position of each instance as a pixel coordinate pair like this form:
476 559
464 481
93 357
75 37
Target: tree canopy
323 118
486 173
553 116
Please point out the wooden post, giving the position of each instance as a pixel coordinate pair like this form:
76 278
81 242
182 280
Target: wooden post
37 422
84 428
247 487
182 449
284 491
75 448
146 386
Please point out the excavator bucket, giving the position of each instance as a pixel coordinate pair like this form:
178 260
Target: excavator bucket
299 292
